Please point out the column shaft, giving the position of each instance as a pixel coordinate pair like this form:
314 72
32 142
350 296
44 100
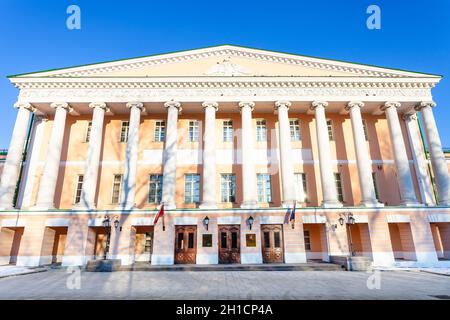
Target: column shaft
47 185
88 191
368 196
326 170
438 161
287 167
170 155
247 155
130 172
209 157
11 168
408 195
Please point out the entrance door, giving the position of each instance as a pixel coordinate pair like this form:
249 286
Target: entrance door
272 243
229 244
185 244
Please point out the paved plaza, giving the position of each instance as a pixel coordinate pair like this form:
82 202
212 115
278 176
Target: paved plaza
58 284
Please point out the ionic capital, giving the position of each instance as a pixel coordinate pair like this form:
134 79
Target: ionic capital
425 104
246 104
409 116
316 104
100 105
136 104
212 104
24 105
282 103
352 104
389 104
173 104
61 105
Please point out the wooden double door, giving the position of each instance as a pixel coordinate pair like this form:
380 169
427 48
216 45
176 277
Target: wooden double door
185 244
272 243
229 244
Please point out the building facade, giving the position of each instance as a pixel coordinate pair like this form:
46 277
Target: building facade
229 139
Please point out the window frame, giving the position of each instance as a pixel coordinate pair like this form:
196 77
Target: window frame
120 188
159 180
261 130
124 130
294 129
159 133
231 194
330 129
307 235
266 188
340 195
194 135
230 129
87 135
194 180
78 188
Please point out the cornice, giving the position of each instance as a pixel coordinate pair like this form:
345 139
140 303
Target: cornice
222 83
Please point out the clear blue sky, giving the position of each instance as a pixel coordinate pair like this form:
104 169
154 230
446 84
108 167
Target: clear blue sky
33 36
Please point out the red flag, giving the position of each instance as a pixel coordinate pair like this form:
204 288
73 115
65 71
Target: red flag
160 214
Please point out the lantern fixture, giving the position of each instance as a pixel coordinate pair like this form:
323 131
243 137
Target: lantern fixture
206 222
250 221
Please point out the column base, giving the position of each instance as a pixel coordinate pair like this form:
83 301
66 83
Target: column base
83 207
371 204
126 206
411 204
249 205
42 207
8 209
289 204
332 204
206 205
444 203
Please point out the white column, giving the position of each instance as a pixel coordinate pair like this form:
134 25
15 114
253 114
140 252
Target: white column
368 196
130 172
437 157
408 195
329 191
170 155
419 158
90 178
47 185
12 164
209 156
287 167
247 156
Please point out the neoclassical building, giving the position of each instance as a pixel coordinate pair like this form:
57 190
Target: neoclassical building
229 139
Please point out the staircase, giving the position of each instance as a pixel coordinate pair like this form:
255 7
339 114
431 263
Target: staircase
310 266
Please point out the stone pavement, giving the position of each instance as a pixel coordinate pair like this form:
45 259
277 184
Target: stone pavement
56 284
10 270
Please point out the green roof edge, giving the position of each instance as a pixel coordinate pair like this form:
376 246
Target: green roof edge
221 45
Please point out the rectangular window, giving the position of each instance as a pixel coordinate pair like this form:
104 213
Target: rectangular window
294 127
190 240
374 178
155 183
267 239
193 131
124 131
366 135
234 240
160 128
227 131
261 130
263 186
117 186
330 130
223 240
307 237
339 190
88 132
228 182
180 240
277 239
192 188
301 187
79 188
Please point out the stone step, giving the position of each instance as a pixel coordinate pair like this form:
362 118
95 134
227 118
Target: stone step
313 266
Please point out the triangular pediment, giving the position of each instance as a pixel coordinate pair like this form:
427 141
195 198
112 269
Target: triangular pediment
225 61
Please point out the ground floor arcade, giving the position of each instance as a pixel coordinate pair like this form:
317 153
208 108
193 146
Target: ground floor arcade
386 236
